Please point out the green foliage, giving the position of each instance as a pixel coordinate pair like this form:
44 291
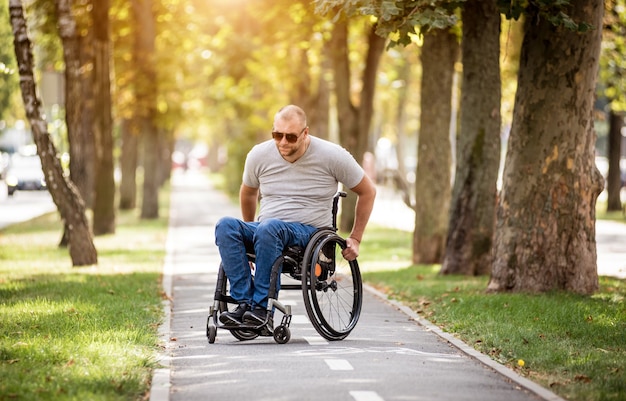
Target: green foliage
613 56
252 65
398 20
42 27
9 79
554 11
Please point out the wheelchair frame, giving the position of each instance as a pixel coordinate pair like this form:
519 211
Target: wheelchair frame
331 287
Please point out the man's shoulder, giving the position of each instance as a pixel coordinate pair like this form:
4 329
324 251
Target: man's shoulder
263 146
324 143
262 149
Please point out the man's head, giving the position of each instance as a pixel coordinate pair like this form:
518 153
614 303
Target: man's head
290 132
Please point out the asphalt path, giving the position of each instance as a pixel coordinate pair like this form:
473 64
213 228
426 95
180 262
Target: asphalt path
23 205
392 354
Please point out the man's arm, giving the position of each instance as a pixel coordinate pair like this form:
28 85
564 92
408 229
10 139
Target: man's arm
366 192
247 199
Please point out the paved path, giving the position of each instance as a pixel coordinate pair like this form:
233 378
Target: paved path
23 205
391 355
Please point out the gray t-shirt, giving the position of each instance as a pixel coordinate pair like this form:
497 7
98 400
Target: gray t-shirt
301 191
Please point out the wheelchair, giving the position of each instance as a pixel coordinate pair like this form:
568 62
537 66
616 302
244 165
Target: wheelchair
331 289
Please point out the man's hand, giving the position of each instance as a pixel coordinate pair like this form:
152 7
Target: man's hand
351 251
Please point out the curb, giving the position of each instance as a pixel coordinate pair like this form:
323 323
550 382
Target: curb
161 383
531 386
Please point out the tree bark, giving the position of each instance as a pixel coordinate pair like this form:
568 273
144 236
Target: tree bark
128 165
73 92
146 94
86 131
354 122
472 210
614 178
104 200
77 141
434 156
64 194
313 93
545 230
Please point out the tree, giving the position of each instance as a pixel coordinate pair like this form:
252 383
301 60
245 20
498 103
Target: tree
64 194
613 88
614 179
146 95
85 135
545 230
432 184
104 199
79 141
472 211
354 119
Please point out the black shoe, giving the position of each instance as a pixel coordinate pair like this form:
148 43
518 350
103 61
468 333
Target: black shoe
255 316
234 317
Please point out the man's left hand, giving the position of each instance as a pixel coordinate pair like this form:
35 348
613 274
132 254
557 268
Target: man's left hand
351 251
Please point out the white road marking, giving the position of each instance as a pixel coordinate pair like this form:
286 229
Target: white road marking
338 364
316 341
366 396
299 319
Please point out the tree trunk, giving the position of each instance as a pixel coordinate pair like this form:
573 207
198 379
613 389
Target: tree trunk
166 146
128 165
151 162
545 230
434 156
77 141
64 194
321 104
73 95
146 95
86 131
472 212
614 179
314 99
403 185
104 200
354 122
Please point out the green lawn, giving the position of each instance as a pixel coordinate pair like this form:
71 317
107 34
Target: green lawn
86 333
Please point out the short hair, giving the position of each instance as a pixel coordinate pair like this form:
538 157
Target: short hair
291 112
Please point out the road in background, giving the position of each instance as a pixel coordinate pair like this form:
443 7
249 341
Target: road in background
23 205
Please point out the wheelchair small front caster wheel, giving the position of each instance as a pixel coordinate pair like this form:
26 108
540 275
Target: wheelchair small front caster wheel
211 331
282 334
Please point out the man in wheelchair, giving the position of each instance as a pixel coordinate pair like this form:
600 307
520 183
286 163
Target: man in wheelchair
294 176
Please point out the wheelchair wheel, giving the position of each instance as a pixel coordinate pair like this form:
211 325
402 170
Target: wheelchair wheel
241 335
282 334
211 331
332 289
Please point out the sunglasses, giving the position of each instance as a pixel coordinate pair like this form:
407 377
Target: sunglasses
291 138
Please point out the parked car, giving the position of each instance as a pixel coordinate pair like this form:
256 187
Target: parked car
24 173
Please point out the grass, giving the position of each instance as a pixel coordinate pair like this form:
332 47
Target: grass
86 333
571 344
602 214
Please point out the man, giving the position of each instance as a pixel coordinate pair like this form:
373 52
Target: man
295 176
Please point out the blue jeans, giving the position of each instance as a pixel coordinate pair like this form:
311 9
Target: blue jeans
267 240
